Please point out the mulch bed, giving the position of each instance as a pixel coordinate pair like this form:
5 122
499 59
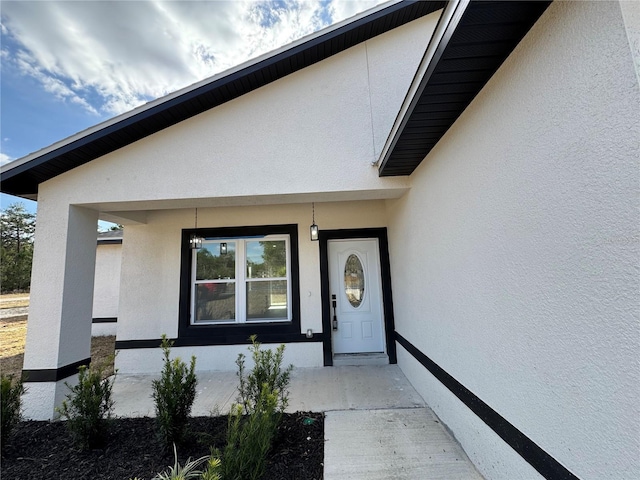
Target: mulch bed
44 450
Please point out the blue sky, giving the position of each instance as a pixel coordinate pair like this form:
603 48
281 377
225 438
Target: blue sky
68 65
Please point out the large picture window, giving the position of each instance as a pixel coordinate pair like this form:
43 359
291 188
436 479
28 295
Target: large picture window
240 280
243 281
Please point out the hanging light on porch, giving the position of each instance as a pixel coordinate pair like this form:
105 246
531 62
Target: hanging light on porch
195 242
313 229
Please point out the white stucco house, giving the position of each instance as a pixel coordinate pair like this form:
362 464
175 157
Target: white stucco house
106 283
473 170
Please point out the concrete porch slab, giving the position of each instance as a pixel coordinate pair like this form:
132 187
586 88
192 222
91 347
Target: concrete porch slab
311 389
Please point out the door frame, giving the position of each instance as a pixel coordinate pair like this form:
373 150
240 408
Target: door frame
385 277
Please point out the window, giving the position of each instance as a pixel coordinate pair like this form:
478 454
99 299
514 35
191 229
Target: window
244 281
241 280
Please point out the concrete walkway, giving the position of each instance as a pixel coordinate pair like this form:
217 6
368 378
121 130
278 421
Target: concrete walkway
376 425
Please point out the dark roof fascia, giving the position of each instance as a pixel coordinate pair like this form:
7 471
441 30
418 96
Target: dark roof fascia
447 23
408 144
23 178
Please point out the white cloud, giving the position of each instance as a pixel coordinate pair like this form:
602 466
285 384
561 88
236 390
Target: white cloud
341 10
4 159
109 57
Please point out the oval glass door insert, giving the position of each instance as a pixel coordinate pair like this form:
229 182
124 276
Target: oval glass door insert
354 280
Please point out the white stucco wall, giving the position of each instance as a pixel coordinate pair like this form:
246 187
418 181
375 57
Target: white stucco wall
106 287
515 256
150 289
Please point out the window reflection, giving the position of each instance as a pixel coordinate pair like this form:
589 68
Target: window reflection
354 280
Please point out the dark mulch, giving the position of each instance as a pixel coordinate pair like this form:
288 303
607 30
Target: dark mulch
44 450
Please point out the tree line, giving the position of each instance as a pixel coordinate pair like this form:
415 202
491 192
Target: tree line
17 227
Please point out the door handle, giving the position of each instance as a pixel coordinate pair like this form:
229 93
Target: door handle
334 323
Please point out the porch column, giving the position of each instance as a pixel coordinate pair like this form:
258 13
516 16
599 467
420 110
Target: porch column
59 324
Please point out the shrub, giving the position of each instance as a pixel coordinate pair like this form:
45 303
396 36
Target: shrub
174 394
11 404
267 370
88 407
263 396
249 438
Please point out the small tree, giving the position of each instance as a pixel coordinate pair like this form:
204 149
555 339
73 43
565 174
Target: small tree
16 249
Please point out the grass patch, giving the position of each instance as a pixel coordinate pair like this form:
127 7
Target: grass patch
14 334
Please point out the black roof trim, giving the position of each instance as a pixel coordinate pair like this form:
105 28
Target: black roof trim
23 179
110 237
470 51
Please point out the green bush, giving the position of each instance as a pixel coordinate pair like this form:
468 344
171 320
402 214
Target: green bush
88 407
267 370
249 438
174 394
263 396
11 404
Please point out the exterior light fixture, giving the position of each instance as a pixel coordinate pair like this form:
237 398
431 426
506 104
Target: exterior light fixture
195 242
223 248
313 229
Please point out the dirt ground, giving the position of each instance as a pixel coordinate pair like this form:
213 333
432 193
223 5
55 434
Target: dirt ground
13 333
45 450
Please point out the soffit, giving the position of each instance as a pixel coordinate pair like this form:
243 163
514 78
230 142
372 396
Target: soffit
470 50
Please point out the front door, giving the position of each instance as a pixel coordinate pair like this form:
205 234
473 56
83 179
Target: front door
355 291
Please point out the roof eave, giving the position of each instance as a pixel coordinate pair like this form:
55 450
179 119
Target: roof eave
491 31
442 34
23 176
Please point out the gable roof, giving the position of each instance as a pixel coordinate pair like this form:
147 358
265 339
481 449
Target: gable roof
22 176
471 41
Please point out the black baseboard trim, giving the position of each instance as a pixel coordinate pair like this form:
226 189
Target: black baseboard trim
53 374
110 241
219 340
535 456
105 320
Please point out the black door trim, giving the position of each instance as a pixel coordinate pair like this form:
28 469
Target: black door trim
385 274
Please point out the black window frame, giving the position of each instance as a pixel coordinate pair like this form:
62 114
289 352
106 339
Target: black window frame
233 334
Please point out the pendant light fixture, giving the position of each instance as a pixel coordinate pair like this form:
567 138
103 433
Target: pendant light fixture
195 242
313 229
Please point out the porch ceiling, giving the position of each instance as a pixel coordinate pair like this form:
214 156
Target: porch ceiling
134 212
471 41
22 177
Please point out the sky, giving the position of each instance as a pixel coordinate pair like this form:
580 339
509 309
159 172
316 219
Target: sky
69 65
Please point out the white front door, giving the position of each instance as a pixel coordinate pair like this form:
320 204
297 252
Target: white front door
356 288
